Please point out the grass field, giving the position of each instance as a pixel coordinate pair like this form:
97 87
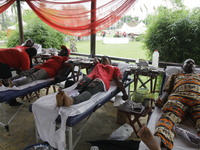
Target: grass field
132 50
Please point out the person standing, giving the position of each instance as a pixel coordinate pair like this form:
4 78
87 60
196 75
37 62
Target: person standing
17 58
97 81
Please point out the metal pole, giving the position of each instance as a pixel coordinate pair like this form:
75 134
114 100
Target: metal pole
93 36
21 34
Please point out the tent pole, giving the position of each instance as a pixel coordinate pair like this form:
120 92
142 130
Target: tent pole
21 34
93 36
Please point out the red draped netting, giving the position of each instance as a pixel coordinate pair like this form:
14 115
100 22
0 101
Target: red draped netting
74 17
4 4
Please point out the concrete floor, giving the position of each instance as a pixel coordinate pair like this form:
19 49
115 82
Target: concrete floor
22 129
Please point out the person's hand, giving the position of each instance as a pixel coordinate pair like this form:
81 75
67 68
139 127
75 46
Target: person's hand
125 97
159 103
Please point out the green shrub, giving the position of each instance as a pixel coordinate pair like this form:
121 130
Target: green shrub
176 34
139 38
3 35
40 33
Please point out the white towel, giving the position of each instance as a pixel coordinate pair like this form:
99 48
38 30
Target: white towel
45 112
3 88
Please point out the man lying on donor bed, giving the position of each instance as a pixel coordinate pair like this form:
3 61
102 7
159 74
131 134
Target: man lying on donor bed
51 68
97 81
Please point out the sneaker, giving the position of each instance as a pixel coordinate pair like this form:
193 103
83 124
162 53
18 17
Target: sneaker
14 103
94 148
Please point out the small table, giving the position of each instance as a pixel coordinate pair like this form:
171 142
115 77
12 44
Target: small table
149 71
42 58
134 117
81 64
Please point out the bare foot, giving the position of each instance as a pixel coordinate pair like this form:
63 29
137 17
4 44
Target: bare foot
10 83
68 101
60 99
148 138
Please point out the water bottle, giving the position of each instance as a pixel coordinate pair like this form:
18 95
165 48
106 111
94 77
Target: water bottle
155 59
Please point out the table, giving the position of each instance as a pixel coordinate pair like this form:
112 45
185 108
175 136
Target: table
149 71
134 117
80 63
42 58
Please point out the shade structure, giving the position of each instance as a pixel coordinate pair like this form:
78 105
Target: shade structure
75 17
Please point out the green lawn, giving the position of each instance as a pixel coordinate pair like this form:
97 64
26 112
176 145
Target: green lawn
132 50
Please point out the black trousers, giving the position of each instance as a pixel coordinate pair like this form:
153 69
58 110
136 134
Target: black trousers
5 71
87 88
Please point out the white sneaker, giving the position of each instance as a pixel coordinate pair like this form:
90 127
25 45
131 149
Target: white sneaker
94 148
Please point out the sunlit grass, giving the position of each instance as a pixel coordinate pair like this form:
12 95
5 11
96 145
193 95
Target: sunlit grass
132 50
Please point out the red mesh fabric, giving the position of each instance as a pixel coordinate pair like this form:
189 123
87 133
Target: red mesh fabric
4 4
75 17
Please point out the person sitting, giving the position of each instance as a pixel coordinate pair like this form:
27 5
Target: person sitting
51 68
180 98
97 81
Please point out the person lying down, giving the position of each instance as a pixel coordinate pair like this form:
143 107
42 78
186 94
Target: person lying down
97 81
179 100
149 139
53 67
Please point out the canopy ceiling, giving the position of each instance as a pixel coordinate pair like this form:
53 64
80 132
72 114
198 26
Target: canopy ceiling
76 17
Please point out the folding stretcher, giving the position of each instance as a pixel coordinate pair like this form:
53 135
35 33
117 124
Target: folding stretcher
7 94
179 142
46 114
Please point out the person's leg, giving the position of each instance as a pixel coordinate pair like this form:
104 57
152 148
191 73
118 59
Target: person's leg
195 114
25 73
5 74
148 138
93 88
38 75
173 113
64 99
84 82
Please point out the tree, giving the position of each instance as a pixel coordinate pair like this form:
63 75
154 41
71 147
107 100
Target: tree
39 32
175 33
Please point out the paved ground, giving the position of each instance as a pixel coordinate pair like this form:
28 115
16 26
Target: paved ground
22 129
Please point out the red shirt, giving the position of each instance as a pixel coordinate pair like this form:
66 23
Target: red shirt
105 73
53 65
16 58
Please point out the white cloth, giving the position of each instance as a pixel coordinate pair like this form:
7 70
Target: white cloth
3 88
45 112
